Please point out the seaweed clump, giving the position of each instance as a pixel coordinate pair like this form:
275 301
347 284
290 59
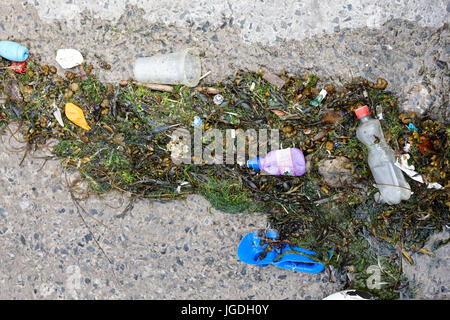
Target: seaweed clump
131 125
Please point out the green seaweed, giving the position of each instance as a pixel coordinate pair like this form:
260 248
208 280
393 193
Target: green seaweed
126 150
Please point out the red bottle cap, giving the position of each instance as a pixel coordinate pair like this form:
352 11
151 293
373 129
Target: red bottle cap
362 112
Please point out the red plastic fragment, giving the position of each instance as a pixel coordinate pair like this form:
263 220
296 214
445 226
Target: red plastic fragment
19 67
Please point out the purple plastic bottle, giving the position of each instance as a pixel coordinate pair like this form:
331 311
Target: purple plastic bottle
289 162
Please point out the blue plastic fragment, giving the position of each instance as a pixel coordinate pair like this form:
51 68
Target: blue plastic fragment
293 258
197 121
13 51
412 127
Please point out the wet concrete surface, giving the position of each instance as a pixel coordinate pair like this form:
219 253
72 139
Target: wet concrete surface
180 249
184 249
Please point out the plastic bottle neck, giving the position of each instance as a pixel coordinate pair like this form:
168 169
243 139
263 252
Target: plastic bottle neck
365 118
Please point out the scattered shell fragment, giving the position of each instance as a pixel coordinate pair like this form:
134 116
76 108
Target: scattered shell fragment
334 171
57 115
273 79
13 91
279 113
68 58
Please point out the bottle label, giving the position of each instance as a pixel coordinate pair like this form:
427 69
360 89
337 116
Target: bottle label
284 162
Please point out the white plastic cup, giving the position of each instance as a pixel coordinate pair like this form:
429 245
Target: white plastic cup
182 67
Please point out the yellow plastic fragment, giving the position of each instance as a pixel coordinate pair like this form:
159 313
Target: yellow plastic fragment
76 115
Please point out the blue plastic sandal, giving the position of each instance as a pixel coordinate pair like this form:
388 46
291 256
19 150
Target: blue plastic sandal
250 248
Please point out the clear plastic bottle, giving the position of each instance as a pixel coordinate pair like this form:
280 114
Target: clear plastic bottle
389 178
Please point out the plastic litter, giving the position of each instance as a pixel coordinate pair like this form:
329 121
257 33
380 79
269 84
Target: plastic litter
402 163
76 115
412 127
350 295
317 100
389 178
251 248
218 99
19 67
181 67
290 162
69 58
13 51
197 121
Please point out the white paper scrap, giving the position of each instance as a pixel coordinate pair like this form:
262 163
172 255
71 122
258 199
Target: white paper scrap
402 163
434 185
407 147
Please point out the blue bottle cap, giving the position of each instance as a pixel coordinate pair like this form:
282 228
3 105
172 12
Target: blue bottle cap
253 163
